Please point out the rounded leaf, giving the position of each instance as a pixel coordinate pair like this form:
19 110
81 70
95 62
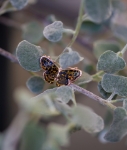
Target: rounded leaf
54 31
118 128
109 62
65 94
87 119
35 84
19 4
102 46
29 56
32 32
98 10
69 58
115 84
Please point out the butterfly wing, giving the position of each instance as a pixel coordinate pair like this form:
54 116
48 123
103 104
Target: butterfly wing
51 70
65 77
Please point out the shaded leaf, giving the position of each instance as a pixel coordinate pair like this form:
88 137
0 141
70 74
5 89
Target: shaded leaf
114 83
118 128
91 27
98 10
69 58
29 56
35 84
102 46
19 4
32 32
54 31
65 94
110 62
87 119
33 137
103 93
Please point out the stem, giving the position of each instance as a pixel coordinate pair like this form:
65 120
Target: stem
8 55
117 100
93 96
124 49
69 31
111 96
78 23
98 76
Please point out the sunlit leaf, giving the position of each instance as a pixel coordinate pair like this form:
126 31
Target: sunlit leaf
109 62
125 104
29 55
87 119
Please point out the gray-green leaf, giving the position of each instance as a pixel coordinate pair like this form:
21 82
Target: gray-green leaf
54 31
19 4
33 137
103 93
32 32
65 94
109 62
115 84
87 119
118 128
29 56
69 58
35 84
101 46
98 10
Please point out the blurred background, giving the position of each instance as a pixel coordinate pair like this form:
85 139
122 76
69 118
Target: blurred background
13 76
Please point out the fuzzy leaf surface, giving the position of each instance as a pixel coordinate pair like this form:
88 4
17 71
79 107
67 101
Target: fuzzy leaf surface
35 84
54 31
109 62
98 10
114 83
29 56
69 58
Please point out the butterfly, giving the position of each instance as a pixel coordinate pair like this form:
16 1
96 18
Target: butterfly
51 70
67 76
54 73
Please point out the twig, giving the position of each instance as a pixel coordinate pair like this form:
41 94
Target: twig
93 96
8 55
79 22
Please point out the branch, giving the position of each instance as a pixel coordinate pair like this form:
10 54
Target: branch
93 96
8 55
